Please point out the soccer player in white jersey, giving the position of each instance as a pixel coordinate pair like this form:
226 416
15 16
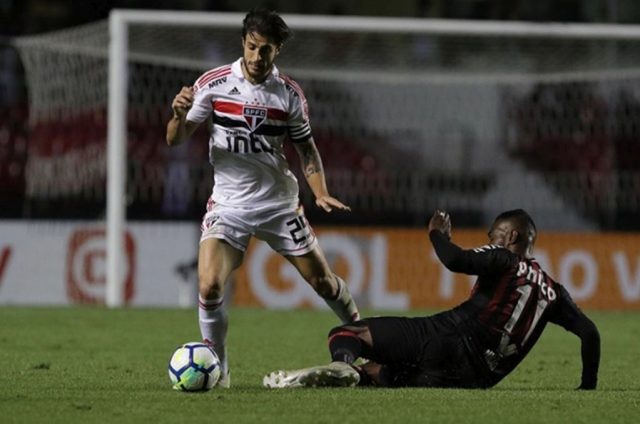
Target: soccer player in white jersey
254 109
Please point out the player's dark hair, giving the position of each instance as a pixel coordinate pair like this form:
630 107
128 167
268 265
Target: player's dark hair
521 221
268 24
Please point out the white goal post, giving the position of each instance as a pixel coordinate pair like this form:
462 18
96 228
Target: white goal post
121 21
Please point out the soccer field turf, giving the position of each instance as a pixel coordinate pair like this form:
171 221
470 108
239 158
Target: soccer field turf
90 365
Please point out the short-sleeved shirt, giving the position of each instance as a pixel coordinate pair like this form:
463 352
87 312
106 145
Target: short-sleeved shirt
251 122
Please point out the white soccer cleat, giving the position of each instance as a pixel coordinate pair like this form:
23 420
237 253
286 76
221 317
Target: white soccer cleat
225 377
225 380
336 374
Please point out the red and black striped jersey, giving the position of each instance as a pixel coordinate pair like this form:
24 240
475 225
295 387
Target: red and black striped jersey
510 304
250 124
514 293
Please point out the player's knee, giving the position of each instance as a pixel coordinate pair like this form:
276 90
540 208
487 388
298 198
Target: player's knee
210 286
337 330
357 329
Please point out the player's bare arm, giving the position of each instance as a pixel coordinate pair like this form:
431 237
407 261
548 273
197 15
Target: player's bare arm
179 128
314 173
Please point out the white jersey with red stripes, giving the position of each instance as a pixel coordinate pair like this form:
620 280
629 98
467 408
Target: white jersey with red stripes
250 124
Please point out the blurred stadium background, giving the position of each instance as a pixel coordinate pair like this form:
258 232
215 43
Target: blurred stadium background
406 122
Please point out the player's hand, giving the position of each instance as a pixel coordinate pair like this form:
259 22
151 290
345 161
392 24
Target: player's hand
328 203
441 221
182 102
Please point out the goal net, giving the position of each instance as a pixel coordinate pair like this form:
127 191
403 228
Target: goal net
408 114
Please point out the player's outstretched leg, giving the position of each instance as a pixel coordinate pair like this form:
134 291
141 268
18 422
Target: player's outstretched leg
313 267
336 374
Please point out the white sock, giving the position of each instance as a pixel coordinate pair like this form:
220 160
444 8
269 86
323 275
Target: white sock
212 316
343 305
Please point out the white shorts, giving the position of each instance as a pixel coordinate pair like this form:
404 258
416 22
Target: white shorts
286 230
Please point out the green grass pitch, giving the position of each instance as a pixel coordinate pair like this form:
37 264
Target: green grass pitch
93 365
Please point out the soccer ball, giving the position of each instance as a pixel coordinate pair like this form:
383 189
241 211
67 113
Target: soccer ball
194 367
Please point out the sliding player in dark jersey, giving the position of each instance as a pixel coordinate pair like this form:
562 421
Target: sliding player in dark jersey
474 345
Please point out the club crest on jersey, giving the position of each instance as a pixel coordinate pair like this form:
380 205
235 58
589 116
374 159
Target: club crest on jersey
254 116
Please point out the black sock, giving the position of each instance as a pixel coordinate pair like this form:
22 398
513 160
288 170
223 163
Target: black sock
365 379
344 346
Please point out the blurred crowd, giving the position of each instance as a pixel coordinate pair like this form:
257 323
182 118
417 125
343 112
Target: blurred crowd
32 16
23 17
613 145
